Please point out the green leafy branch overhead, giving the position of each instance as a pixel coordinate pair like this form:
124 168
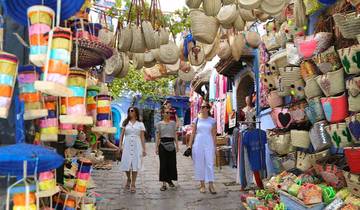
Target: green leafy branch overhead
134 83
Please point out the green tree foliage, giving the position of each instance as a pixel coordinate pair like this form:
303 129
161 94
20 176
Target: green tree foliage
134 83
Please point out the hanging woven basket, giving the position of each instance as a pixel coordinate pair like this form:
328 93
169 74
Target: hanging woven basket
138 60
237 44
224 49
125 39
204 28
196 56
193 4
348 24
211 7
149 35
227 14
138 41
169 53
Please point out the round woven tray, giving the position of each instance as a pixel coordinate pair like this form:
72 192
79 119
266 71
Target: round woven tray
91 53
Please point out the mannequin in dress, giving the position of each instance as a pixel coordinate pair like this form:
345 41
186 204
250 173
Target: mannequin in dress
249 110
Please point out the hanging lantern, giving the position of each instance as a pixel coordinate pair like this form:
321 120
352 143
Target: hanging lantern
76 104
92 92
49 128
57 66
104 122
40 20
8 72
34 107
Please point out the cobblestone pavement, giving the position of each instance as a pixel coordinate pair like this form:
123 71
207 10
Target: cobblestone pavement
186 196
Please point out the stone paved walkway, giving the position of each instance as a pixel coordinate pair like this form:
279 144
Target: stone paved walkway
110 184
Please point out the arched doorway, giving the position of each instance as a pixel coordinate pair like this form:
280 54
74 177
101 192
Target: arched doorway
245 87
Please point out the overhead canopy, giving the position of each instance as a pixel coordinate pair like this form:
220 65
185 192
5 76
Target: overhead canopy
17 9
13 156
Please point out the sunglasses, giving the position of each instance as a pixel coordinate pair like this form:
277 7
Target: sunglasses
131 110
167 112
203 107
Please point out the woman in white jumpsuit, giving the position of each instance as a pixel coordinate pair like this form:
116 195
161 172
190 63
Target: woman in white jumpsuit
203 149
132 144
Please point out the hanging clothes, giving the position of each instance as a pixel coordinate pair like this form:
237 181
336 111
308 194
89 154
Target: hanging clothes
212 85
244 167
254 140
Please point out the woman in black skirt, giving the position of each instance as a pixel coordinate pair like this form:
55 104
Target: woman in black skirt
166 147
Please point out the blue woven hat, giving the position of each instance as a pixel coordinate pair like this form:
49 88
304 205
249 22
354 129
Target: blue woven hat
328 2
29 68
17 9
12 157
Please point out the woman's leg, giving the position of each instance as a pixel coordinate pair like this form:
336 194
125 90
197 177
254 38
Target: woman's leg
209 170
128 181
163 177
133 181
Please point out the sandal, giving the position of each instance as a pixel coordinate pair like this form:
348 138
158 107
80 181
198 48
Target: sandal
171 184
133 189
202 189
163 188
212 190
127 186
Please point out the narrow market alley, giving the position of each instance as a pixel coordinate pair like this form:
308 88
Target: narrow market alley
110 185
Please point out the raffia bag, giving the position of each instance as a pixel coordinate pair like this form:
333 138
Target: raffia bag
138 41
290 74
227 14
353 182
327 60
312 88
211 7
164 36
353 87
105 36
227 2
193 4
138 60
114 64
279 59
332 83
303 161
293 56
149 59
340 135
149 35
348 24
186 73
319 138
280 143
169 53
247 15
173 68
204 28
270 41
196 56
253 39
239 23
125 39
126 63
154 72
300 138
350 59
237 44
156 54
224 51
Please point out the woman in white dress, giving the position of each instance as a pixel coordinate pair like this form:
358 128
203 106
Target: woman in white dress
132 144
203 149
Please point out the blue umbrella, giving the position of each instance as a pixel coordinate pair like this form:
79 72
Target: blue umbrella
39 159
17 9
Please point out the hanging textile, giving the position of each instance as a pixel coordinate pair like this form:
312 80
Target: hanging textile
212 85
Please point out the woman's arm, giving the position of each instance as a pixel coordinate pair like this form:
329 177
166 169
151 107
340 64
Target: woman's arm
142 136
193 133
176 139
157 139
214 132
121 137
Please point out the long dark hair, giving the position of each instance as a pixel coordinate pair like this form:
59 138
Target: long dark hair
127 120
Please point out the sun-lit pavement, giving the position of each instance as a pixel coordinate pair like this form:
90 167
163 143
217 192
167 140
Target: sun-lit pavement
110 184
